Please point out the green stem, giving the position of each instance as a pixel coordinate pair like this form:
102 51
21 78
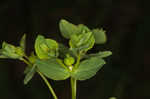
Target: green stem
26 56
25 61
78 62
48 85
45 80
73 87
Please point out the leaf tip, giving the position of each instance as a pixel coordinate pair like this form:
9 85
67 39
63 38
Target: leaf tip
63 21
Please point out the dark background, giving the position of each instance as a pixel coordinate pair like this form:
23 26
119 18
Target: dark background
126 74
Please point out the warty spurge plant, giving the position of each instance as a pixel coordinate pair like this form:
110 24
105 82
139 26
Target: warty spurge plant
58 62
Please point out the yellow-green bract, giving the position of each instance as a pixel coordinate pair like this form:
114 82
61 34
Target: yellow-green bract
45 48
68 29
82 42
11 51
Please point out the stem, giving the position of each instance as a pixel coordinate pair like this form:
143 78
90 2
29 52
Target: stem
25 61
48 85
73 87
26 56
78 62
44 78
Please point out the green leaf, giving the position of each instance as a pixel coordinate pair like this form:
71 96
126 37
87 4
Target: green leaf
83 29
88 68
82 42
29 74
10 51
100 36
104 54
52 69
88 45
1 54
45 48
23 42
27 69
101 54
63 50
67 29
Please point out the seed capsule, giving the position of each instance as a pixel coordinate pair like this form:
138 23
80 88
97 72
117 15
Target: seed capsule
69 60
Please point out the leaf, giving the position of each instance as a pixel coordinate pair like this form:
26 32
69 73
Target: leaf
1 54
82 42
67 29
100 36
52 69
104 54
27 69
45 48
89 45
29 74
101 54
88 68
63 50
23 42
83 29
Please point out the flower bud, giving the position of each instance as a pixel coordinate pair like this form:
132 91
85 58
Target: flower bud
10 51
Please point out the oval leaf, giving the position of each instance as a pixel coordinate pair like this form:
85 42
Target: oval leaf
23 42
88 68
101 54
104 54
67 29
83 29
30 71
52 69
100 36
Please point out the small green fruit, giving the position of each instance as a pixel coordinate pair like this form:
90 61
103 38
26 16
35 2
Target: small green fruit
69 60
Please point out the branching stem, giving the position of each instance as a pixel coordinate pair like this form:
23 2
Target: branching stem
44 78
